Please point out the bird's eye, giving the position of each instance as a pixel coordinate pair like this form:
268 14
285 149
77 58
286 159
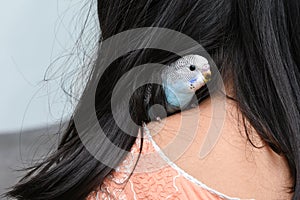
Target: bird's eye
192 67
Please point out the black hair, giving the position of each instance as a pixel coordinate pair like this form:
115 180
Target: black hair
257 44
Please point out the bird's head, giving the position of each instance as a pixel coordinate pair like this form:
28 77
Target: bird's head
187 74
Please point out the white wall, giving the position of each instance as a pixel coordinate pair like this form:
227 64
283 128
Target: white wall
32 34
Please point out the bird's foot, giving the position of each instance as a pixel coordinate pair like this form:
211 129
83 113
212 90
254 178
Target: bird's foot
158 119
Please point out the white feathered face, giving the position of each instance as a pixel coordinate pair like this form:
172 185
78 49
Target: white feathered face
188 73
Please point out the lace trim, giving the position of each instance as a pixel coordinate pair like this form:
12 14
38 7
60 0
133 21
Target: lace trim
165 186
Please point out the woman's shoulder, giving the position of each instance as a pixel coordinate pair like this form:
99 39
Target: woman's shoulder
233 166
170 166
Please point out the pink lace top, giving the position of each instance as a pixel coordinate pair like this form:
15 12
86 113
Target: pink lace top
155 177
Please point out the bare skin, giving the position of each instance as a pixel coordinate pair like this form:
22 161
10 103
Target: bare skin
233 167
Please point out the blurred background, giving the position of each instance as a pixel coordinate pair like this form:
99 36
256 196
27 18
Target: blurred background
39 48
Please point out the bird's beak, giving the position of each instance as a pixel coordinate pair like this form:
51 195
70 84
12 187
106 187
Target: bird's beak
207 76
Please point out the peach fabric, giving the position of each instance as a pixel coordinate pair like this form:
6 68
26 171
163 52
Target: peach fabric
154 178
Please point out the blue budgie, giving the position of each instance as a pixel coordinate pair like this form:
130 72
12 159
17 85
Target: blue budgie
182 79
